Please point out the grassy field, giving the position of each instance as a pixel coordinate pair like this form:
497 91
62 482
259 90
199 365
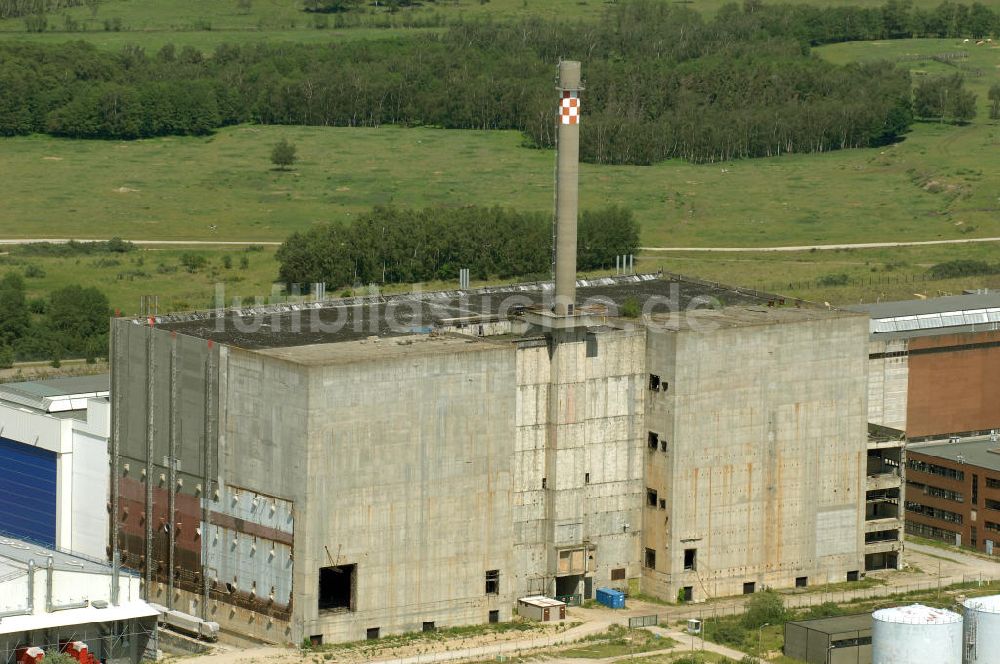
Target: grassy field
873 274
148 16
124 278
939 183
207 40
186 15
936 184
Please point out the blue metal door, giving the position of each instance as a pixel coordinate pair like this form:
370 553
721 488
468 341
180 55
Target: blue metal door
27 492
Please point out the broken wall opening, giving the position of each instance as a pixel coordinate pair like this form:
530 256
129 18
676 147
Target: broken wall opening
337 588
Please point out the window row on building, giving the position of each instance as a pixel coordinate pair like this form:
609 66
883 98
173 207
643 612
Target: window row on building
937 492
934 469
933 512
930 532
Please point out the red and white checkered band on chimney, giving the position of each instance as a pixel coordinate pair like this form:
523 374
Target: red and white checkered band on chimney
570 108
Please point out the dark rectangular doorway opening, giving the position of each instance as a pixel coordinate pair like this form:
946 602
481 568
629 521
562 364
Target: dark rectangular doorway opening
749 587
373 633
494 616
429 626
568 585
336 587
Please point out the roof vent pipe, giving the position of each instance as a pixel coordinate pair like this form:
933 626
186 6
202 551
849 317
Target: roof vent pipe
116 567
51 606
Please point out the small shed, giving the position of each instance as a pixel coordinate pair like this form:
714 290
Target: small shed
541 608
611 598
840 640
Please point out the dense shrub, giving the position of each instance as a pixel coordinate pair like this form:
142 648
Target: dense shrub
839 279
764 608
962 268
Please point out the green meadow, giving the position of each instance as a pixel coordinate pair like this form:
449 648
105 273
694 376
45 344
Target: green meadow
938 183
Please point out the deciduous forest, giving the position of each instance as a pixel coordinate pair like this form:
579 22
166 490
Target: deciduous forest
391 245
662 82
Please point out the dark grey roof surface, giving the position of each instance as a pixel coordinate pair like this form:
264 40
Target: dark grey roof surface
855 622
979 451
358 318
934 305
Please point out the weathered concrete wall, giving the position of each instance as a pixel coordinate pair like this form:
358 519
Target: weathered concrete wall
408 478
765 469
888 377
579 428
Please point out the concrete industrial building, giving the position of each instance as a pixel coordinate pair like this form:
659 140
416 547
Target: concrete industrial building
760 472
345 469
919 347
51 601
54 452
349 484
953 492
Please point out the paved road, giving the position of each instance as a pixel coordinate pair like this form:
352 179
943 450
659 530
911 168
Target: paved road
973 564
825 247
808 247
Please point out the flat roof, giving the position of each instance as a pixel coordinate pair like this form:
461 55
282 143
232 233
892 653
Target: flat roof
974 451
354 319
932 305
84 616
360 351
541 601
951 314
856 622
56 394
745 316
16 553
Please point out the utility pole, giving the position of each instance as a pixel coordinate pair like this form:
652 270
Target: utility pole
939 580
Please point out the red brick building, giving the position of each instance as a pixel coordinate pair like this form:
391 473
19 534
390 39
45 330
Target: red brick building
934 365
953 492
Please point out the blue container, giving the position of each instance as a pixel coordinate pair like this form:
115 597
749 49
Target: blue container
611 598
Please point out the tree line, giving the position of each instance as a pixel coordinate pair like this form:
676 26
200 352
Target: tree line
396 245
662 82
71 322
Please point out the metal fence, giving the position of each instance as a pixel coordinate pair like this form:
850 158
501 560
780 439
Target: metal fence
806 598
644 621
570 600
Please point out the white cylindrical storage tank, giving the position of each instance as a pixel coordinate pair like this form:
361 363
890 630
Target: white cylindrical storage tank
982 629
916 634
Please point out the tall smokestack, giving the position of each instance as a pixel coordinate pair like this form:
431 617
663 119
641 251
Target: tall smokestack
567 187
